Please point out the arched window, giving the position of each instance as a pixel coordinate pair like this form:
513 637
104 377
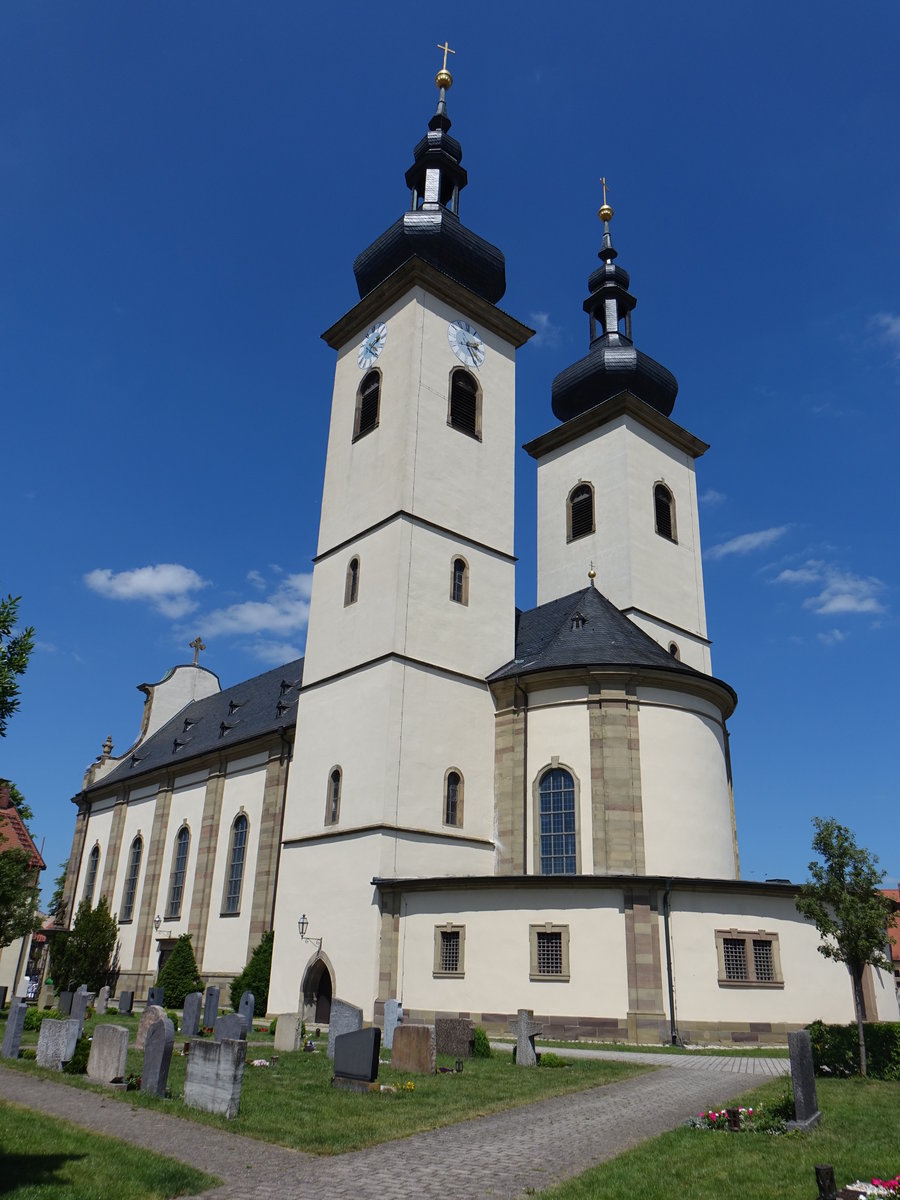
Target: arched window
459 581
453 798
351 583
131 879
664 507
580 512
236 855
90 879
333 799
367 404
674 651
556 817
179 871
464 412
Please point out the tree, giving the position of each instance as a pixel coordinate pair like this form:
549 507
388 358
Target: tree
89 953
15 650
24 809
179 976
18 896
851 914
255 976
57 906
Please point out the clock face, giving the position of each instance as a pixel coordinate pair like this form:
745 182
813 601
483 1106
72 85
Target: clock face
371 345
465 343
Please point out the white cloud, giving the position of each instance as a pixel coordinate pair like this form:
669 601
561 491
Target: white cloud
285 611
746 543
257 580
273 653
887 328
811 572
832 637
839 591
546 333
167 586
713 499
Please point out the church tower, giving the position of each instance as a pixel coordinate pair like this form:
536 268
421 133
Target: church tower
413 591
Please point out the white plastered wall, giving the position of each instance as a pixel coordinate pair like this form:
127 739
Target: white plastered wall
138 820
98 831
188 795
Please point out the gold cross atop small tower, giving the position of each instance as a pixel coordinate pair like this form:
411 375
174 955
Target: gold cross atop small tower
444 79
605 212
197 645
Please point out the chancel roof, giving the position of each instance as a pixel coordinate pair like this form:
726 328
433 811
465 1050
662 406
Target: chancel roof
261 705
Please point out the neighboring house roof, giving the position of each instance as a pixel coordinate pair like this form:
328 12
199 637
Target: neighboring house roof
264 704
13 834
894 925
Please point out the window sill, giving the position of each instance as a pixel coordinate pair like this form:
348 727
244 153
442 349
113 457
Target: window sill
548 978
365 433
230 914
125 920
476 437
448 974
751 983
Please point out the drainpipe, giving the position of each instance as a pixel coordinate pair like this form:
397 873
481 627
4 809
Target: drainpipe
524 776
671 977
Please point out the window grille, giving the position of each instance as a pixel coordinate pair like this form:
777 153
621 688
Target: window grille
735 958
450 950
367 404
91 878
464 403
549 954
664 506
236 865
134 868
557 823
581 512
179 870
763 963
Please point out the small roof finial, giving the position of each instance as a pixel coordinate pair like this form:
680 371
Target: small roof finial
197 645
605 212
443 79
592 574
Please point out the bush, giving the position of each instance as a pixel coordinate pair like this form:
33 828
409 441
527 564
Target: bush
272 1025
551 1060
836 1048
482 1047
255 976
77 1064
89 953
179 977
173 1017
35 1017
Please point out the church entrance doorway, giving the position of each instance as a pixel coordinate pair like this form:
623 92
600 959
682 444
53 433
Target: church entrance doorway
317 992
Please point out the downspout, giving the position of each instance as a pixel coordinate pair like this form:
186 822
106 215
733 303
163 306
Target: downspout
286 755
673 1028
524 776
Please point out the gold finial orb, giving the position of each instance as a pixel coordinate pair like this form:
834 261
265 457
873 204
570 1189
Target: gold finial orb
592 574
444 79
605 212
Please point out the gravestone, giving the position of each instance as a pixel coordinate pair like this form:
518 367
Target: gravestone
393 1016
4 992
126 1002
149 1016
289 1032
806 1104
356 1055
79 1008
102 1002
109 1051
46 997
190 1019
454 1036
157 1057
345 1018
15 1024
230 1027
414 1050
246 1008
210 1007
64 1004
215 1072
526 1030
56 1043
156 995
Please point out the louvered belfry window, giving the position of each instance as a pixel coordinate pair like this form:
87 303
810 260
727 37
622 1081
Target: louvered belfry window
664 506
581 511
367 404
464 403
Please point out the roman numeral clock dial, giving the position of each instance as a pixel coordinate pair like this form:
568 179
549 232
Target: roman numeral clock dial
371 345
465 343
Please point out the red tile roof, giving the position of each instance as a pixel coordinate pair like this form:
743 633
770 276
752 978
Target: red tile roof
13 834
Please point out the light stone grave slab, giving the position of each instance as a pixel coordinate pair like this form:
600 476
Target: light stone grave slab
15 1025
526 1030
151 1014
190 1020
126 1003
215 1072
247 1007
101 1004
806 1104
56 1043
289 1032
157 1057
230 1027
345 1018
210 1007
393 1016
414 1050
109 1052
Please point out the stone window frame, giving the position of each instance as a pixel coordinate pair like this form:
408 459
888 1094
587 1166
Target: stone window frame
459 595
358 431
225 911
460 797
668 498
129 889
351 581
581 484
553 764
332 800
749 937
457 373
173 913
539 976
90 875
437 971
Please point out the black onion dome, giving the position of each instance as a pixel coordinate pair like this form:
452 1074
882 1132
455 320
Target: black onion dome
432 230
613 363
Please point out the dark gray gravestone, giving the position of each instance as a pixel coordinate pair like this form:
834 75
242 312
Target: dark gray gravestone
15 1024
156 995
102 1002
210 1007
157 1057
230 1027
126 1002
393 1016
246 1007
109 1051
526 1030
345 1018
454 1036
78 1009
356 1054
64 1004
190 1020
4 992
806 1104
56 1043
215 1072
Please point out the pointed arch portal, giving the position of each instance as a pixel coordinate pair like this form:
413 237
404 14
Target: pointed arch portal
317 990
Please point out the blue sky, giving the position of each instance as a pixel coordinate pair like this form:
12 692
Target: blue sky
183 189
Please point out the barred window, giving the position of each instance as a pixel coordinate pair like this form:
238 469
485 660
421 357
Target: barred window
131 880
449 950
90 880
580 512
549 952
179 870
367 399
236 865
763 964
465 404
748 959
664 507
735 959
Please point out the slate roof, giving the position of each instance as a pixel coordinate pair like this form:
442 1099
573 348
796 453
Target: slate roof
261 705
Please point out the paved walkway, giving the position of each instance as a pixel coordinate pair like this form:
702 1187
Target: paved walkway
499 1156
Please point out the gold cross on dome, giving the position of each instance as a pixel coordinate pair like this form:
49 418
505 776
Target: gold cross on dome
446 49
197 645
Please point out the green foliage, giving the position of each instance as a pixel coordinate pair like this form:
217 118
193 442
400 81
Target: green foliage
15 650
89 952
77 1064
35 1017
180 975
836 1049
549 1059
173 1015
24 809
482 1046
18 896
255 976
57 903
273 1024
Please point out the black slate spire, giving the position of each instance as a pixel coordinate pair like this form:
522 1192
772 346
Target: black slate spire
613 364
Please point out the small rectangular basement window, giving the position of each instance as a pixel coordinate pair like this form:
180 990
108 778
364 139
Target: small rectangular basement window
449 951
748 959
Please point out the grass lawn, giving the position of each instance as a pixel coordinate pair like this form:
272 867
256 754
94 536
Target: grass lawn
43 1157
295 1105
858 1136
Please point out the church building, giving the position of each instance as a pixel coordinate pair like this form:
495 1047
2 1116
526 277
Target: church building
447 801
